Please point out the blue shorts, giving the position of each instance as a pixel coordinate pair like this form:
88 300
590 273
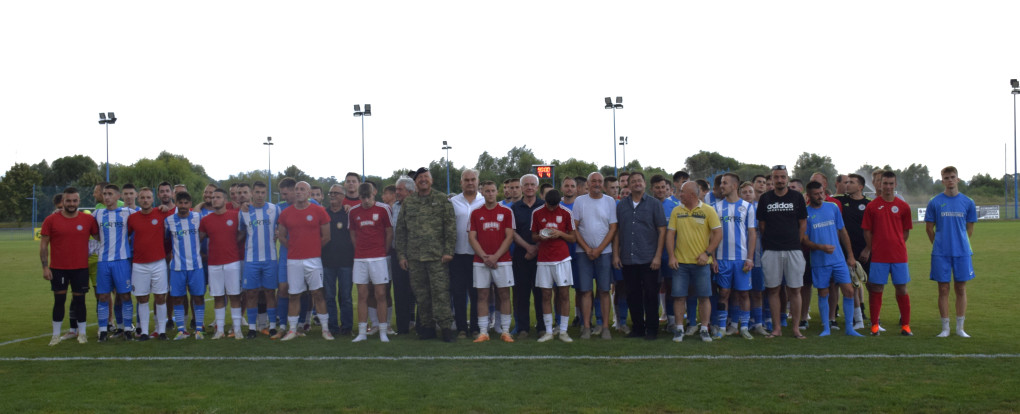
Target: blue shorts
824 276
260 274
691 275
600 269
732 275
880 273
113 275
962 268
183 282
575 271
757 280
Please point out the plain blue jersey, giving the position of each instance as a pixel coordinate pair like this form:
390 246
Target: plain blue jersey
823 226
951 215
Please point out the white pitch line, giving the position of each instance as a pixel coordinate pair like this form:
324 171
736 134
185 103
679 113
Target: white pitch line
513 357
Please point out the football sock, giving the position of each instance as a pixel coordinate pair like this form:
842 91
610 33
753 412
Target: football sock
118 312
235 316
848 303
127 313
823 313
875 301
282 305
323 320
220 317
59 300
483 324
199 316
143 317
756 315
720 316
505 322
383 327
564 323
959 327
161 318
179 317
57 327
745 318
292 322
904 302
103 312
373 316
272 316
547 318
253 315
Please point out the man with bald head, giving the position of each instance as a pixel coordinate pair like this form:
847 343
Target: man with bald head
305 228
595 220
692 236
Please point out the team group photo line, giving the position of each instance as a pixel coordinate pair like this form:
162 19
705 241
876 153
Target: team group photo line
678 256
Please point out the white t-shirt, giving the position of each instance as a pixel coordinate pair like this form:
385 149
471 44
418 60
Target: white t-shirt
593 217
462 212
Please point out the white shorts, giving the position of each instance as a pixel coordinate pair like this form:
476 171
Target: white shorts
149 278
502 275
559 273
225 279
783 265
375 270
304 275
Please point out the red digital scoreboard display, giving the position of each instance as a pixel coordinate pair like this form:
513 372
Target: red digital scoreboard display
544 171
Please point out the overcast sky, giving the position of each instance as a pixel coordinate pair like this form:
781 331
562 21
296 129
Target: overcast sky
863 82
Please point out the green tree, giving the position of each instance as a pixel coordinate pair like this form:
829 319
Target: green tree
915 180
69 169
705 164
808 164
572 168
15 191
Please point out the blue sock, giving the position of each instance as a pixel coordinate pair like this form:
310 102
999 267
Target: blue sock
179 318
253 315
734 312
692 311
271 312
118 312
199 316
720 318
744 317
756 315
848 303
282 304
103 312
823 313
128 310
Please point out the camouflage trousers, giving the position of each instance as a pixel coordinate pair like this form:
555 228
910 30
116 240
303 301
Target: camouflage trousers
430 281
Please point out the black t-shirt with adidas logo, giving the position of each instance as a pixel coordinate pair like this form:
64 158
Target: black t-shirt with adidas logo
782 217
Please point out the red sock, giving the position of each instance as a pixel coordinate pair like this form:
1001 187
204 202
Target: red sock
875 300
904 302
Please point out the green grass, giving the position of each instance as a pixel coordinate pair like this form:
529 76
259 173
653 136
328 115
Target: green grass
614 384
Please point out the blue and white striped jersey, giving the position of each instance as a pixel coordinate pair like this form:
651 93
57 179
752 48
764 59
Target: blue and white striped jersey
114 243
260 225
184 234
736 218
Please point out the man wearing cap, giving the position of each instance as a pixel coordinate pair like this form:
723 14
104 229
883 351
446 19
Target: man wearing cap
425 244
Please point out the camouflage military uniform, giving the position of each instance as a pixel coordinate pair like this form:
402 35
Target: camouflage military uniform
425 232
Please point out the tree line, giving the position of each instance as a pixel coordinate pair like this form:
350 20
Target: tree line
915 180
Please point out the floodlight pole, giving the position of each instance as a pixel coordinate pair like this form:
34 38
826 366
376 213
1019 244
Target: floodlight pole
1016 197
447 148
616 170
623 143
269 166
362 148
108 150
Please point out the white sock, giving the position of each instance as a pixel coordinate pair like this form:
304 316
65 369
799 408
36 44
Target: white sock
547 318
57 327
564 323
143 317
858 316
81 328
362 328
381 319
945 325
324 321
505 322
373 316
235 316
292 321
959 323
161 318
382 332
483 324
221 317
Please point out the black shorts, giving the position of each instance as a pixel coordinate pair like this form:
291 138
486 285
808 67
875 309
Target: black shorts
77 278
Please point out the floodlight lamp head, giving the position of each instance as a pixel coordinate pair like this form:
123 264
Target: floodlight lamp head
112 119
1014 83
368 109
619 99
618 106
609 101
357 108
102 116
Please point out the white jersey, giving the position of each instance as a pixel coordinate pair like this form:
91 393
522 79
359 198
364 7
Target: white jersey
260 225
736 218
114 243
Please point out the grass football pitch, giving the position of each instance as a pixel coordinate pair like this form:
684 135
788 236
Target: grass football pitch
837 373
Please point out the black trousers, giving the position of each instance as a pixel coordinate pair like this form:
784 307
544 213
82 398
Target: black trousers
461 289
642 297
403 296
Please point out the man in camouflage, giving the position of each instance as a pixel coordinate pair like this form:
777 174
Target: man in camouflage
425 237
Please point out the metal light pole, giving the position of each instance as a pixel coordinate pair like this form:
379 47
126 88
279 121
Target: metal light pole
362 114
269 171
1016 197
614 107
623 143
447 148
104 120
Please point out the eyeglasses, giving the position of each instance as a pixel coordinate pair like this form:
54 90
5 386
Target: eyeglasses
779 167
335 193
